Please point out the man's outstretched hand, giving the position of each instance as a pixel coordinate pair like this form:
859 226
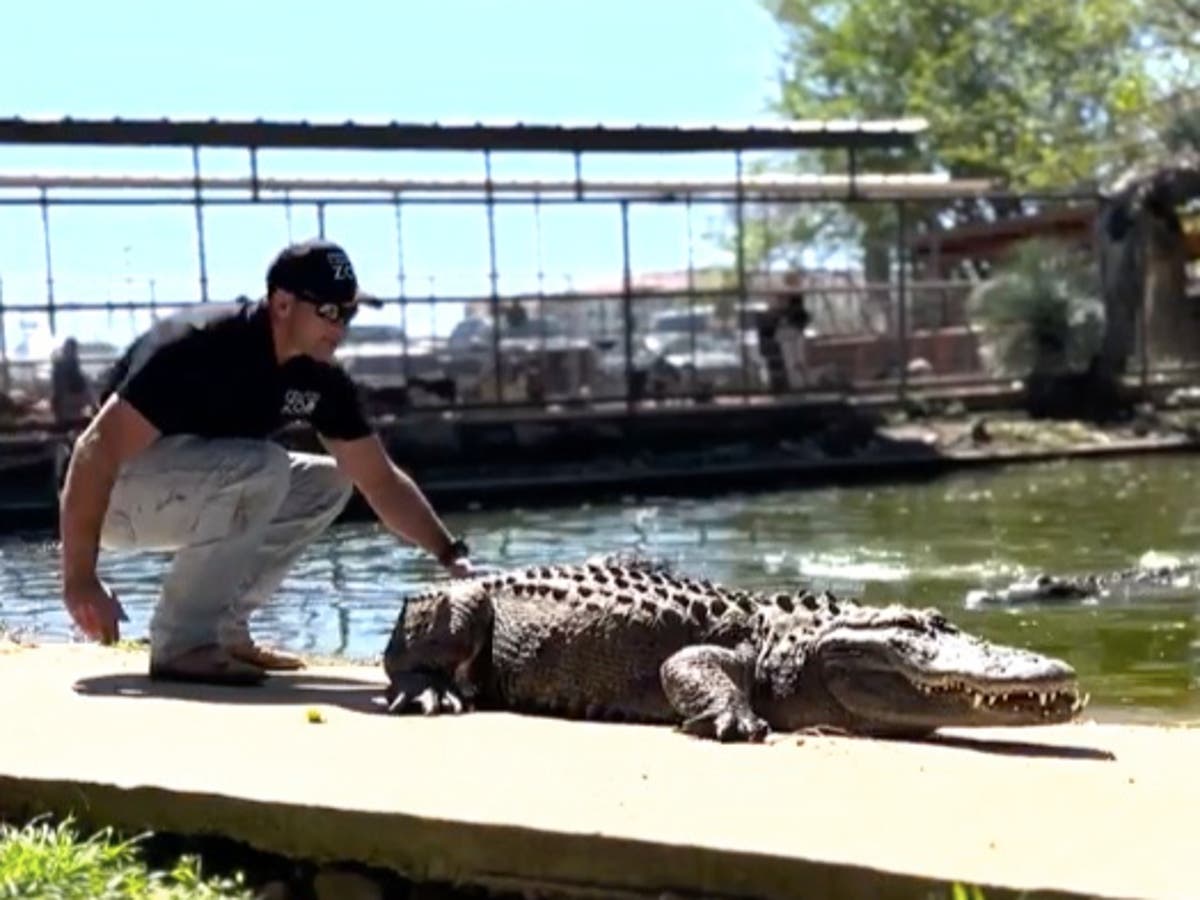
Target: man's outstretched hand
462 568
95 608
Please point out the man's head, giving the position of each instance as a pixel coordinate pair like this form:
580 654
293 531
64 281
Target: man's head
313 294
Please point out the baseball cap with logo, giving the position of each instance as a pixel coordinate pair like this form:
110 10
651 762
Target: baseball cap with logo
319 272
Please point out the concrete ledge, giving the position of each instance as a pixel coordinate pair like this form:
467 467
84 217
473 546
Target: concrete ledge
1094 810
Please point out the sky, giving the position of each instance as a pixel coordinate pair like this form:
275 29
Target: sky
665 62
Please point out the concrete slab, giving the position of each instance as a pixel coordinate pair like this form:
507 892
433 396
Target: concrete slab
1090 809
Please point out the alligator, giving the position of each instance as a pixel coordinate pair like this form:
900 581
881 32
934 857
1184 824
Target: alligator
621 640
1124 584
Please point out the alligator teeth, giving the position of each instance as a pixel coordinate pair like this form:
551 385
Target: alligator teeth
1043 699
976 700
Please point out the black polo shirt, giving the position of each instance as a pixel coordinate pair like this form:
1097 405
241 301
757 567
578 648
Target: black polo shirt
212 372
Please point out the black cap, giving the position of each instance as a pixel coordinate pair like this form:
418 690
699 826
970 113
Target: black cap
318 271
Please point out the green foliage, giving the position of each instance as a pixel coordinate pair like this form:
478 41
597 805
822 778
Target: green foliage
1041 310
53 861
1027 92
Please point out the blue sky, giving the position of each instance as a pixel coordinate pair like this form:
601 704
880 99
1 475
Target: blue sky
546 61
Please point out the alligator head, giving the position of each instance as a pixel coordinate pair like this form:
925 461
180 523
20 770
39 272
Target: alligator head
1041 588
902 671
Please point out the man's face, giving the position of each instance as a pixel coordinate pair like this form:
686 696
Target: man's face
314 329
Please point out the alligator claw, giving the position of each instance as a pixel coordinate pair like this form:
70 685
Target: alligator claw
424 693
727 726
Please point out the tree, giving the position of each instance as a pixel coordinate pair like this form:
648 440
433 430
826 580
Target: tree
1026 92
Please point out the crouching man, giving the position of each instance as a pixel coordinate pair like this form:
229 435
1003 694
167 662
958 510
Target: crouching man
180 458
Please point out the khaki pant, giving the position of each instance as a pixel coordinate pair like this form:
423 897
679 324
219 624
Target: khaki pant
235 513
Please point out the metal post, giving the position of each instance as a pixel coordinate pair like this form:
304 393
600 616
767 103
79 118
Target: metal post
254 173
740 206
199 203
321 220
691 284
287 214
902 293
537 237
5 383
493 274
627 305
400 279
45 202
541 291
1143 320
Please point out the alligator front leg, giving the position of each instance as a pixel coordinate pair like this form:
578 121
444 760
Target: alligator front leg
439 647
709 687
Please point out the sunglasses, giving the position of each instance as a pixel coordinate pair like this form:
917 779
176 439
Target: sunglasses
337 313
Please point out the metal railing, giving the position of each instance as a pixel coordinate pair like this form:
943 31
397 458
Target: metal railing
887 313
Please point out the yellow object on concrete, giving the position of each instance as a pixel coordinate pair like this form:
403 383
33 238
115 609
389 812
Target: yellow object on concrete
500 799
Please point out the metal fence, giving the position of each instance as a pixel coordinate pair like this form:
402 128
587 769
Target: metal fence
885 289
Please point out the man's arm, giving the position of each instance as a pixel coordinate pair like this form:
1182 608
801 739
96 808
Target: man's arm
395 497
117 433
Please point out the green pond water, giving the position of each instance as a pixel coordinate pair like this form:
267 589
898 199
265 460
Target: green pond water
927 544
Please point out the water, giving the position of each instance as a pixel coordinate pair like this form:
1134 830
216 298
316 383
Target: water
923 544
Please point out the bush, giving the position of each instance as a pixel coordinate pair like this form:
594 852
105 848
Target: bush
1041 310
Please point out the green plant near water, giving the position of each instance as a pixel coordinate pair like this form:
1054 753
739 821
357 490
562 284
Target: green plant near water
1041 310
48 860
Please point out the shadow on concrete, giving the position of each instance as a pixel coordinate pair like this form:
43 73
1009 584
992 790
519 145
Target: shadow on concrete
356 695
1019 748
298 688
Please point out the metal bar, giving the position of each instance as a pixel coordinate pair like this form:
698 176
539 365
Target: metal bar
395 135
385 200
400 279
6 383
740 211
254 173
321 219
493 276
802 186
700 293
537 238
287 214
199 203
691 291
902 295
627 306
1143 321
49 261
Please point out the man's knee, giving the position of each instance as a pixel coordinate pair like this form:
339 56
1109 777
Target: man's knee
318 484
261 462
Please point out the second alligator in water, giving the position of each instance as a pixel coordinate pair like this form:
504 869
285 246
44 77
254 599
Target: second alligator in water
632 642
1124 584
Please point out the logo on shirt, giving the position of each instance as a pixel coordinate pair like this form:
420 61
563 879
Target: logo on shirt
300 404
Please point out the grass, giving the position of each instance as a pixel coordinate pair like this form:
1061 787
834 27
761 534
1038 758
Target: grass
42 859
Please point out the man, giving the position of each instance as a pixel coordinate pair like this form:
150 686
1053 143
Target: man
70 393
179 458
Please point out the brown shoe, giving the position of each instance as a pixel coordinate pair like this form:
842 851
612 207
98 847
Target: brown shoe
207 665
266 658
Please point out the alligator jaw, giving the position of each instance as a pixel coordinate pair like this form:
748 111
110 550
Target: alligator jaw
924 678
1051 702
